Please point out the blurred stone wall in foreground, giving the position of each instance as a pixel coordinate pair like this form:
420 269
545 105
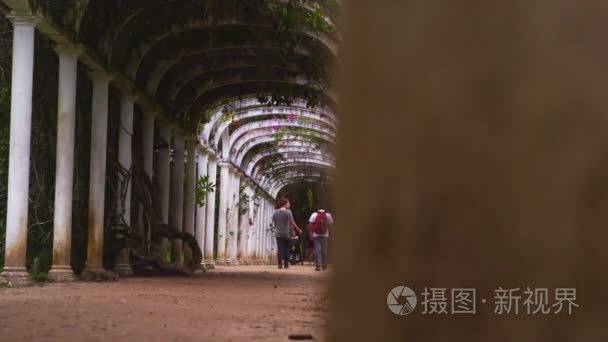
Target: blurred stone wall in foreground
473 153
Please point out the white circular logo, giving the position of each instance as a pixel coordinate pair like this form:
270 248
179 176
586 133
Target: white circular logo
409 300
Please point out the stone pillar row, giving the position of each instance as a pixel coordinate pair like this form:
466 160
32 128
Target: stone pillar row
238 242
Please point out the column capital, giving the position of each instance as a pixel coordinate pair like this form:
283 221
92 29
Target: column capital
204 148
151 113
129 96
224 163
23 19
100 75
64 49
212 156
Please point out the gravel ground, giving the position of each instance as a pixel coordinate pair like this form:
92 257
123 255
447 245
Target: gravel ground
243 303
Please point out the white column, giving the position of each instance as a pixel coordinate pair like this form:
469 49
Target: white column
19 155
250 229
64 168
236 184
269 234
261 233
258 240
164 179
189 205
243 230
177 195
97 175
230 233
222 217
148 143
125 159
148 160
201 215
210 220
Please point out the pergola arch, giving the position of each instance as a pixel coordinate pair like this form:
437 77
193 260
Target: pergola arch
268 125
303 170
194 41
166 78
159 43
234 90
194 56
276 187
252 103
263 112
162 16
294 175
253 168
190 101
240 155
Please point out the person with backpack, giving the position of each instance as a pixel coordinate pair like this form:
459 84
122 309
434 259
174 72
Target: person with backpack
283 221
320 224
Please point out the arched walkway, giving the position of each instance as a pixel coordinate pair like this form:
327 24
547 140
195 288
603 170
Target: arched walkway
219 110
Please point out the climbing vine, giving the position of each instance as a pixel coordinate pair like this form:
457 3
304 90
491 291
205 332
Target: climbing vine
203 187
244 200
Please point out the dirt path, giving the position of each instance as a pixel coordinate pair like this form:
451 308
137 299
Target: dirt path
245 303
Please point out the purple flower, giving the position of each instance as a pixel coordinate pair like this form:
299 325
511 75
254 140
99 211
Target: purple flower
291 117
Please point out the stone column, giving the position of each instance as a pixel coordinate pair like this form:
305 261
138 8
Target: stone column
262 254
189 205
250 229
268 235
243 230
148 160
210 219
258 229
230 231
64 168
201 215
19 155
97 175
222 213
164 180
234 227
177 195
125 159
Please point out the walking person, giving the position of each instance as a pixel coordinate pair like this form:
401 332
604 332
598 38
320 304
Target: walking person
283 221
320 224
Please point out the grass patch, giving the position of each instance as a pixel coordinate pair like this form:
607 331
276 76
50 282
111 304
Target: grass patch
40 277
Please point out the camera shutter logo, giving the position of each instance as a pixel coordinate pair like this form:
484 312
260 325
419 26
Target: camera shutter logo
392 300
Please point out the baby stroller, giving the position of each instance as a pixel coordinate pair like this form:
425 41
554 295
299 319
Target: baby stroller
295 251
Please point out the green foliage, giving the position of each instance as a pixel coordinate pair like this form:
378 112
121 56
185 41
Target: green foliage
309 199
244 200
203 188
268 162
256 199
39 277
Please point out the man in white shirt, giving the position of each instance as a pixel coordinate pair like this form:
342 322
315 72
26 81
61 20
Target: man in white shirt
321 240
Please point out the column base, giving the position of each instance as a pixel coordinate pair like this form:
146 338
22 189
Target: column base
124 270
203 265
210 264
235 263
17 276
222 263
242 262
61 274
